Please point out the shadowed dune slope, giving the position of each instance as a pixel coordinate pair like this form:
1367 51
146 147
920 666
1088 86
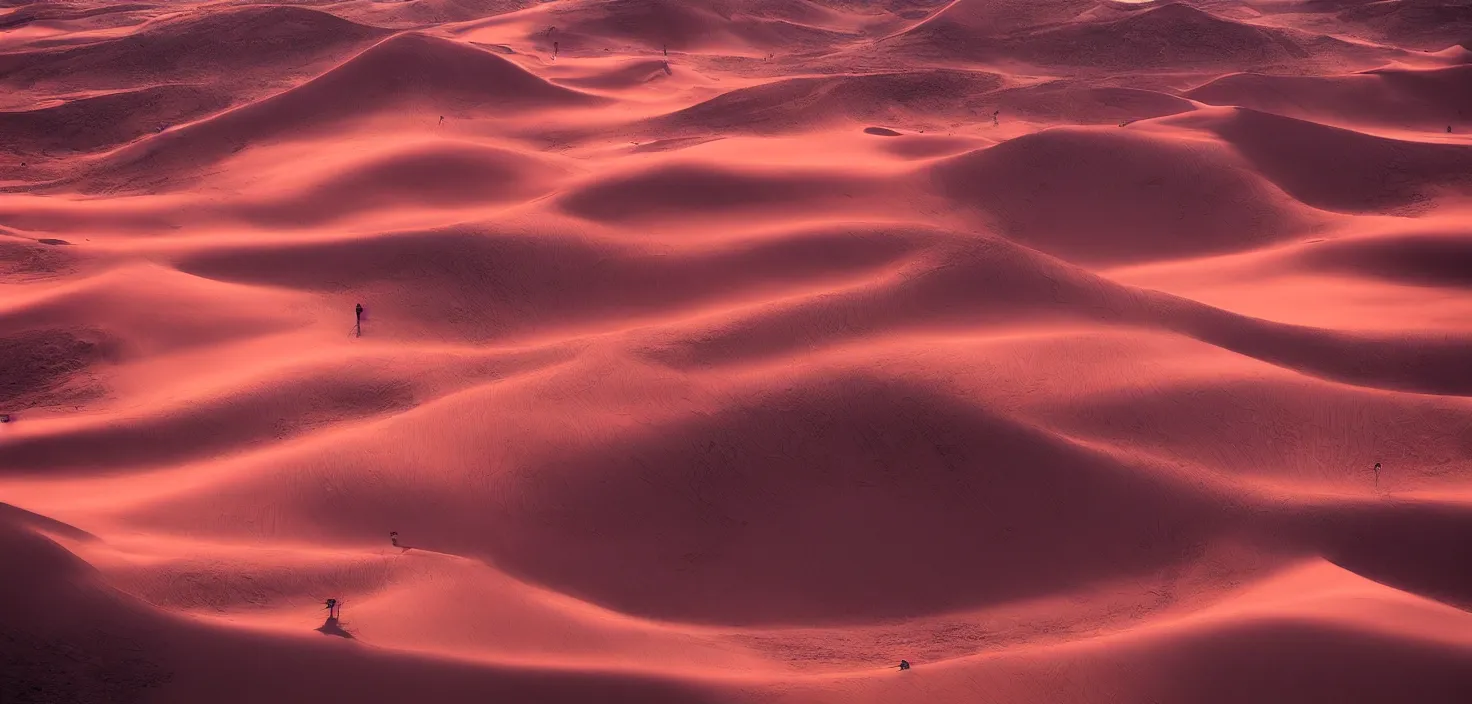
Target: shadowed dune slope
1399 545
1339 169
502 285
1070 102
690 26
437 175
1421 99
1108 196
253 416
104 121
1418 24
406 72
1430 259
686 191
1236 426
827 501
51 365
1172 36
209 47
958 21
27 13
629 75
75 637
809 103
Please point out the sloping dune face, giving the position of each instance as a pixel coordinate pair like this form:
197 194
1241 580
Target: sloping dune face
735 351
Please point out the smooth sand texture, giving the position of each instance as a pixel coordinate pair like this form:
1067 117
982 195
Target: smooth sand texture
742 372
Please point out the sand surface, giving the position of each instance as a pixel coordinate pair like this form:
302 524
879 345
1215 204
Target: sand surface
732 351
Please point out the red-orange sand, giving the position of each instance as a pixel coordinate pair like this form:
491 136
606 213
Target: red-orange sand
742 372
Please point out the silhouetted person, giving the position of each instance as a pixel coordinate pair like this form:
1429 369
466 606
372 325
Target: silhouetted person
442 120
393 537
1448 129
358 328
1377 474
995 113
555 49
904 664
332 609
667 53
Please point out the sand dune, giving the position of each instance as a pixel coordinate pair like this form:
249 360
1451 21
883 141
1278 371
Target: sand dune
732 351
1171 36
1429 259
693 26
813 103
1417 24
1124 195
1399 98
404 73
1339 169
107 120
208 46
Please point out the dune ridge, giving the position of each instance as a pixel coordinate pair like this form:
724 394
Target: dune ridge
733 351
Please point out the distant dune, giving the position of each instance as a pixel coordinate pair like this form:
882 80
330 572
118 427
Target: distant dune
735 351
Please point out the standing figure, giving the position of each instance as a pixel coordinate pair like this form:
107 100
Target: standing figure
359 328
332 610
442 120
667 53
555 49
393 537
1377 474
994 117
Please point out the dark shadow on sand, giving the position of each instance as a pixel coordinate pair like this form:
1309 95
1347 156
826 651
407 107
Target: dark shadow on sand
43 523
330 627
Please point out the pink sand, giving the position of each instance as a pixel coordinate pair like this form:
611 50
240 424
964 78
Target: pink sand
742 373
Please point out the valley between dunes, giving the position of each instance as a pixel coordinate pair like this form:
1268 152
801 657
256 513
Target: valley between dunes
732 351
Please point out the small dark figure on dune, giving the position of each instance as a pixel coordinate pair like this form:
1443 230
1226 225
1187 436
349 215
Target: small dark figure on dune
1377 473
442 119
994 118
666 48
1448 129
393 537
555 49
332 609
904 664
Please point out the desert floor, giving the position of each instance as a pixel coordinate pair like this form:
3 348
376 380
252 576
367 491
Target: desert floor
735 350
